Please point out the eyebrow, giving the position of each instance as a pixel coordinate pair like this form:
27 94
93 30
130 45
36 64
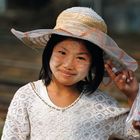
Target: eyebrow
83 53
64 48
77 53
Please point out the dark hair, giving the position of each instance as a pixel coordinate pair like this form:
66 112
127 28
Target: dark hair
96 72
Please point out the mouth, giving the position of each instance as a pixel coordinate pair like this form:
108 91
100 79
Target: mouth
67 73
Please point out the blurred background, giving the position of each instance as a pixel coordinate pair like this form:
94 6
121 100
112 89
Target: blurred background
20 64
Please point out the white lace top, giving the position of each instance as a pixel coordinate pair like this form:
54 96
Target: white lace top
32 116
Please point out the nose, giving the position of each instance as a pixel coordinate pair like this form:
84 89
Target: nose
69 63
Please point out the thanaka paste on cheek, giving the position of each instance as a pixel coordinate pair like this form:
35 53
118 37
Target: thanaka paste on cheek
67 68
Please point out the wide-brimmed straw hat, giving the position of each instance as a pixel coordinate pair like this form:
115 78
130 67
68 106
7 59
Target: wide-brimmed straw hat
83 23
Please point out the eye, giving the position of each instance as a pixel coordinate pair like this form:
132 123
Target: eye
62 52
81 58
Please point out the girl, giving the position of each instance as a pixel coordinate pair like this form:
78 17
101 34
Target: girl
66 102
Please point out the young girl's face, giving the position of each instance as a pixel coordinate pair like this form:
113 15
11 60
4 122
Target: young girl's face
70 62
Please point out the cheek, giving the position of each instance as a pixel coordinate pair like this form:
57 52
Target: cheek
83 70
53 64
57 57
55 61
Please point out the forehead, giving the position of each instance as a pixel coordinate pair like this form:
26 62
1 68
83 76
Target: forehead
72 43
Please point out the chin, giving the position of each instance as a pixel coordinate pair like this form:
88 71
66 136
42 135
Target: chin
67 83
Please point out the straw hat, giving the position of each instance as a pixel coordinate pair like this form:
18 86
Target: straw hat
83 23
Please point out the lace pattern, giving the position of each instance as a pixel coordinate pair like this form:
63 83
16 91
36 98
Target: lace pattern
93 117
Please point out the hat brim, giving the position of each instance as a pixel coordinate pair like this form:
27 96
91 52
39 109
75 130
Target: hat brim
39 38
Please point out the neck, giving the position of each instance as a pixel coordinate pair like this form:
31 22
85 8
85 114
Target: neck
62 95
62 90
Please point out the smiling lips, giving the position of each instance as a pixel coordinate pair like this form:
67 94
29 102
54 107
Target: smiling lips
67 73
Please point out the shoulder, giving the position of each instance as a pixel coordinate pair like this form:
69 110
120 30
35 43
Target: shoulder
26 91
29 86
101 97
105 104
23 98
